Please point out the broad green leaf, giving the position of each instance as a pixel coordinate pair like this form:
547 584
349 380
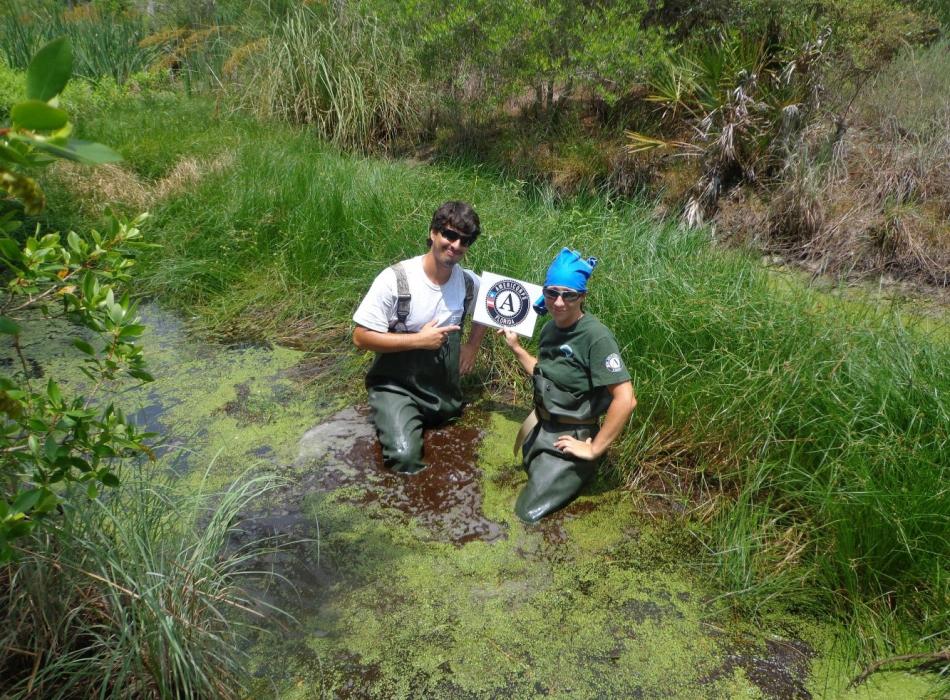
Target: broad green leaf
18 529
8 326
132 331
89 287
80 464
47 502
85 152
25 500
108 478
92 153
51 448
10 250
83 346
49 70
38 116
75 243
52 391
12 155
116 313
91 490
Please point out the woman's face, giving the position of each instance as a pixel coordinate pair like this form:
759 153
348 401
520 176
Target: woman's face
564 305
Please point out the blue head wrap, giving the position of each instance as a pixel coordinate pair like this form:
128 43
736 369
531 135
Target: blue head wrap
569 269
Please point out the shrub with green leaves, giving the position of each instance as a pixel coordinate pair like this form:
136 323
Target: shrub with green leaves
743 104
46 437
549 49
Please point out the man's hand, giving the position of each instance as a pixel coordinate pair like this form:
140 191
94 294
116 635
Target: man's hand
432 336
577 448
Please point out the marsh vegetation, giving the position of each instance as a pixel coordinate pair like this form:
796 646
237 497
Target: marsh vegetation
287 153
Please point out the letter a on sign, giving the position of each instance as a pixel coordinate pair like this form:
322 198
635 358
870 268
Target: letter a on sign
506 303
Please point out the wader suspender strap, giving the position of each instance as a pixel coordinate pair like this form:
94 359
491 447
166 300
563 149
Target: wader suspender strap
524 431
469 297
404 298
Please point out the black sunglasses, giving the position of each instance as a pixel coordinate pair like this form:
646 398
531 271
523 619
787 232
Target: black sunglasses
452 236
566 295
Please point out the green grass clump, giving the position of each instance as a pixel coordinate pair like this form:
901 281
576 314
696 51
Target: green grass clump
134 595
341 72
103 46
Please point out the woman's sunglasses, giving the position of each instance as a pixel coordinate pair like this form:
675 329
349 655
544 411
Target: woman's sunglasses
452 236
567 295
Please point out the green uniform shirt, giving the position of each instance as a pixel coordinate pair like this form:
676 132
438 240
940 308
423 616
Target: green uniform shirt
582 359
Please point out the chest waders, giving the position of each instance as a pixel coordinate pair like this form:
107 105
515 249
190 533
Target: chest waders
555 478
414 389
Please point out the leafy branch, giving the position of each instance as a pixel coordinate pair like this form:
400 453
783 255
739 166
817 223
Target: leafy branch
49 440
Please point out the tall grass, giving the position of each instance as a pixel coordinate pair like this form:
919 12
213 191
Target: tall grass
338 71
811 434
137 595
102 46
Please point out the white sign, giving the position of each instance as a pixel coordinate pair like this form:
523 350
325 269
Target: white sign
506 303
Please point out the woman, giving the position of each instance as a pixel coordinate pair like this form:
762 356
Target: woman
578 377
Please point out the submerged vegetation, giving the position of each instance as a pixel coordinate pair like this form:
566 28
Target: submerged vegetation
803 437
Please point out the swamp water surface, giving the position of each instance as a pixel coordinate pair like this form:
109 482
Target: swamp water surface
428 585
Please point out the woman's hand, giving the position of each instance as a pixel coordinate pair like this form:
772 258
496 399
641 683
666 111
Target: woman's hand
582 449
511 338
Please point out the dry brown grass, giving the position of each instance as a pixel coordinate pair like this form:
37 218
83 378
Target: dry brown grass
869 197
95 188
678 476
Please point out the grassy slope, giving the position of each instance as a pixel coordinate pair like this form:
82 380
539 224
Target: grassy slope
826 423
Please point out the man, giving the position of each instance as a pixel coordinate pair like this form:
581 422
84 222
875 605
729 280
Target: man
412 319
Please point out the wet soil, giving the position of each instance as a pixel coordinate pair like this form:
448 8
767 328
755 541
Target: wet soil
444 498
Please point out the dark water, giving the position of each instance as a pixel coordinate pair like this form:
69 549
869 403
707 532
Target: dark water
445 498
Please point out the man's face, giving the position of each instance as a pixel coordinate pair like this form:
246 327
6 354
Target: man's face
449 246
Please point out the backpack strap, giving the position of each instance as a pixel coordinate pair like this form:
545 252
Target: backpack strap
403 300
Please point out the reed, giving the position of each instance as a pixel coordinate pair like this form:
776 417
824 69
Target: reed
342 73
135 595
103 47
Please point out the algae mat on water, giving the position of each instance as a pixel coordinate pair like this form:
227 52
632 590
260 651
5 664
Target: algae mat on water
428 586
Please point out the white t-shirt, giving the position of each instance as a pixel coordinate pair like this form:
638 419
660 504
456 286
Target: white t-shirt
445 303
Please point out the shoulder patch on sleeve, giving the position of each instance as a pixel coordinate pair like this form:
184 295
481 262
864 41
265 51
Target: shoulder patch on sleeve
613 362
